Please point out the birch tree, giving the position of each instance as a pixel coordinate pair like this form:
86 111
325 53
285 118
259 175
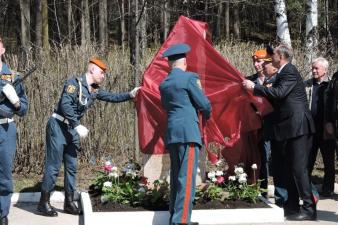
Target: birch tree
311 30
283 33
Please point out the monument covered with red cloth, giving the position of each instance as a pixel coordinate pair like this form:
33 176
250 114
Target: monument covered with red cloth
234 121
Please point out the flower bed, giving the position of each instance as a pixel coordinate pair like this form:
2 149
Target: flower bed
207 217
135 201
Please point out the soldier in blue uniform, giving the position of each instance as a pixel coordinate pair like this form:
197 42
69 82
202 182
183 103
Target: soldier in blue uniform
183 98
13 100
63 132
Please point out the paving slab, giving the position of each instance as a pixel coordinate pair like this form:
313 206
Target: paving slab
25 213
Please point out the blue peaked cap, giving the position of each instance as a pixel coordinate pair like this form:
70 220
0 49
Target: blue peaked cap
176 51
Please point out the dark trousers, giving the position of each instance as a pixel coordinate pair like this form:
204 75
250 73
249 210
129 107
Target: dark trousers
7 153
183 162
59 147
265 149
278 158
295 174
327 149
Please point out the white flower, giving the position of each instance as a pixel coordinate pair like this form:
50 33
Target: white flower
211 175
142 190
114 168
104 198
254 166
214 179
113 174
233 178
107 163
219 173
242 179
107 184
238 170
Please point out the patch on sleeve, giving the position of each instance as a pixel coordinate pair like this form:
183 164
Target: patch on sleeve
70 89
198 82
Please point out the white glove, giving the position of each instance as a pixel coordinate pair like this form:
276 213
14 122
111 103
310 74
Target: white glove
133 93
10 93
82 131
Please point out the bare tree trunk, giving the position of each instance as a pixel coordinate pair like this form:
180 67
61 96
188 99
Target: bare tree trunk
69 21
85 24
38 27
123 24
25 23
227 22
143 28
134 60
57 21
166 19
103 31
329 42
283 33
311 31
45 29
218 21
237 34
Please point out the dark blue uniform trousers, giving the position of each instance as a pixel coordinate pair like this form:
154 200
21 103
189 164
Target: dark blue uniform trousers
7 153
184 162
59 146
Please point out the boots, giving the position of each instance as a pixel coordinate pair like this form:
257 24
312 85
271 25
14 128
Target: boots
4 220
69 205
44 205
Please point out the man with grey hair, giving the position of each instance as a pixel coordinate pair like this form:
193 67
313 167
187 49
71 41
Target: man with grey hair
292 129
323 138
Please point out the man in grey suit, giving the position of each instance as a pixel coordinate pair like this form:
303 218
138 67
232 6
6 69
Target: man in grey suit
292 132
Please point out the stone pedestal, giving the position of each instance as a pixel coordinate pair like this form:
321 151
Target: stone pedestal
158 167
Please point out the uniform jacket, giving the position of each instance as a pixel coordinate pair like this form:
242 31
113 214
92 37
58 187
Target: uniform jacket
292 117
182 97
76 99
7 110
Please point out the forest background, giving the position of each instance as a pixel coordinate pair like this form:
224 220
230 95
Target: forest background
60 36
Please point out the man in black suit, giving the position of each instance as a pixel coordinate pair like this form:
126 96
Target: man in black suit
292 131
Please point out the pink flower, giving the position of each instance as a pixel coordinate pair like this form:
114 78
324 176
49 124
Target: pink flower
108 167
219 180
144 180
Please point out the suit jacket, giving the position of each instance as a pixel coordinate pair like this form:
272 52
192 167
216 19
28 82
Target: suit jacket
292 117
182 97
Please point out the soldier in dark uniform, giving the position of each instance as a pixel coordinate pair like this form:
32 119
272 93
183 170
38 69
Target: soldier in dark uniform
13 100
63 132
183 98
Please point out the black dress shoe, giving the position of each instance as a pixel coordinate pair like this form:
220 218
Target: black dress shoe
302 216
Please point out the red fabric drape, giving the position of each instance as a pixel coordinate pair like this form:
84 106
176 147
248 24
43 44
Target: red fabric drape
233 108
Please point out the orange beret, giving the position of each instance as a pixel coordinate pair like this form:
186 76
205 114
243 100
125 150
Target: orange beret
262 54
99 63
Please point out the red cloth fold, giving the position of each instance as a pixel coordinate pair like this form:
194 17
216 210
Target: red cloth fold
233 108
